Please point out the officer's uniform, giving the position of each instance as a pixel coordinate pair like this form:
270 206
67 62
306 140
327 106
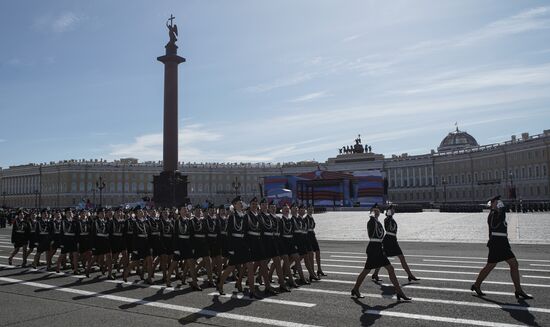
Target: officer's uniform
117 239
499 246
311 233
141 246
43 235
68 236
239 252
167 236
269 239
19 235
223 224
100 237
200 243
154 236
254 237
84 235
183 248
376 257
287 243
300 234
390 244
213 236
56 235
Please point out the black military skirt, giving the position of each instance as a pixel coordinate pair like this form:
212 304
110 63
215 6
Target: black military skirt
43 243
20 240
391 246
156 245
183 249
240 251
167 244
200 246
270 246
101 245
32 241
225 245
118 243
301 243
129 241
68 244
214 246
287 246
257 251
499 249
84 243
141 248
313 241
56 241
376 257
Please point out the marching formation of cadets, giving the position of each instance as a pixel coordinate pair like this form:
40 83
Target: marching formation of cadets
220 242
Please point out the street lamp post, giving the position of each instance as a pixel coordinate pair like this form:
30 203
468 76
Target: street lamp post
100 185
513 194
236 185
444 182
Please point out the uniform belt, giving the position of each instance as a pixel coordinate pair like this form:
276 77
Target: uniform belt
117 234
310 229
237 235
183 236
102 235
254 233
199 235
303 232
499 234
276 234
212 235
287 236
377 240
390 233
83 234
142 235
155 233
268 234
44 233
223 233
20 231
167 235
68 234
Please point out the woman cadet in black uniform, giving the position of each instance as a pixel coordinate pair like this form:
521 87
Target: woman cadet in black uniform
118 241
141 248
68 241
183 249
101 246
259 253
239 253
499 249
308 246
84 240
55 234
300 241
31 235
213 237
19 236
376 257
167 241
313 240
200 242
391 246
223 219
271 235
42 236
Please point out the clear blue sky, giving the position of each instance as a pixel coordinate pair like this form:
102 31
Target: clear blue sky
268 80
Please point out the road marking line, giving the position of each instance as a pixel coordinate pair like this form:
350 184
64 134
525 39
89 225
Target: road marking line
455 261
531 276
429 256
416 270
442 301
180 308
267 300
444 266
539 265
426 278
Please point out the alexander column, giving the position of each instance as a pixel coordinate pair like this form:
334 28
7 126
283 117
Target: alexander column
170 187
